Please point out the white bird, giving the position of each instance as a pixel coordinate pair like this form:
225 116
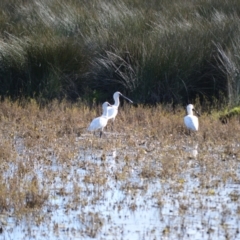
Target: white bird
100 122
112 111
190 120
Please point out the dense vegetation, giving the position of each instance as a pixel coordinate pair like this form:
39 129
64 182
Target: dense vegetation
153 51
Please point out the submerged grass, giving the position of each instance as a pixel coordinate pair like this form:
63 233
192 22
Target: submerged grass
32 137
47 154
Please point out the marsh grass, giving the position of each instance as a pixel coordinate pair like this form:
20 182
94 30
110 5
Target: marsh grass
150 143
156 51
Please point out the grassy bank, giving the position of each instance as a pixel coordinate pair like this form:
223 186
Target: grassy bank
154 51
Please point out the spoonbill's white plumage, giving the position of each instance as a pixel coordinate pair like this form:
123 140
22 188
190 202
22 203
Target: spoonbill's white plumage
112 111
100 122
190 120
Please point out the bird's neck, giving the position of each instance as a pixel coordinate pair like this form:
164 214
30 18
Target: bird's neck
116 102
105 113
190 112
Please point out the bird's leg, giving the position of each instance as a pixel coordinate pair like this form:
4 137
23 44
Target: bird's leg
190 135
112 124
101 132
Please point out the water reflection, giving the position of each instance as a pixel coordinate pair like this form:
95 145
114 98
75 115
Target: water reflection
192 150
134 195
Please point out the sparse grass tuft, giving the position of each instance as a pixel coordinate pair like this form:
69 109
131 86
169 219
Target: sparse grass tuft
227 116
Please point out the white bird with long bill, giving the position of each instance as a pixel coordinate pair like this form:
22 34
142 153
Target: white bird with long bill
191 121
112 111
100 122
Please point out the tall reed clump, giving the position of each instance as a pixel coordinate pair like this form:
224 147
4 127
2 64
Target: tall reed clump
156 51
168 54
41 57
230 67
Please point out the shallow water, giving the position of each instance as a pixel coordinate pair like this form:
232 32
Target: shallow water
122 194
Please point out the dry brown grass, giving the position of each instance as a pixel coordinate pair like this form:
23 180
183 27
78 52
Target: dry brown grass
148 139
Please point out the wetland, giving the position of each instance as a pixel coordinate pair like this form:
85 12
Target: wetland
146 178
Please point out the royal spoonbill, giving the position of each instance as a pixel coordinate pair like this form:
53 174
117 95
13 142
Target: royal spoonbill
190 120
112 111
100 122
